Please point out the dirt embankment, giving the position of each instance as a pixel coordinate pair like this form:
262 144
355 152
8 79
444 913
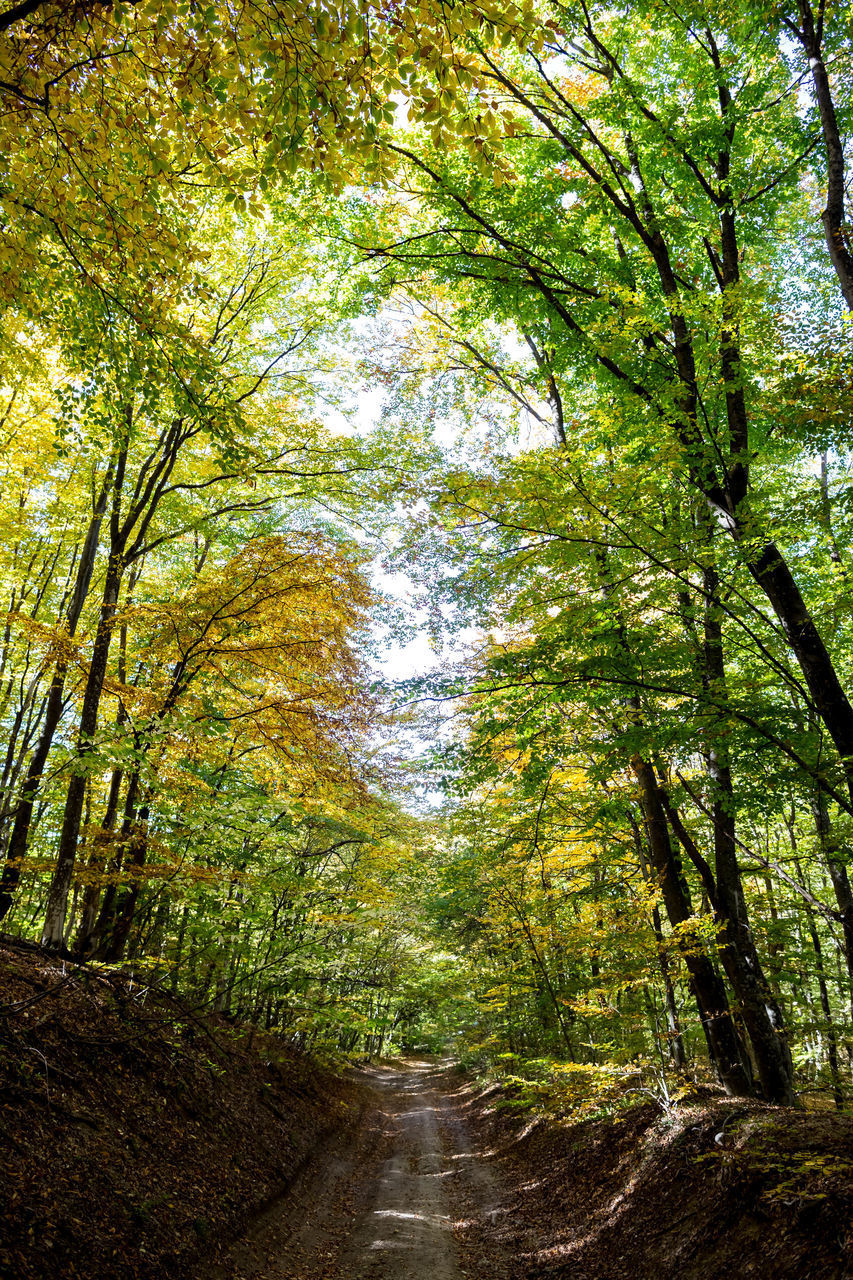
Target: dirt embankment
716 1189
136 1134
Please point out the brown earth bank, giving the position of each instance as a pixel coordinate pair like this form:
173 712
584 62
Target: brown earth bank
141 1140
136 1133
715 1189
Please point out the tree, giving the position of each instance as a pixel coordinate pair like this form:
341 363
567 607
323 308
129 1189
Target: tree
619 250
617 174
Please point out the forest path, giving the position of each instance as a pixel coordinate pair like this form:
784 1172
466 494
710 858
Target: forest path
405 1198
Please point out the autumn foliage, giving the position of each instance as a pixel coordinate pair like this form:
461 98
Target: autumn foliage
596 267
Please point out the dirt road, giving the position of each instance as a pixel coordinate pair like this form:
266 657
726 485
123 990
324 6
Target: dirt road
406 1197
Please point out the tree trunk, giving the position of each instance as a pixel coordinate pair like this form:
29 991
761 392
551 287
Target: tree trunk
58 892
759 1009
724 1044
772 574
99 856
99 937
19 838
761 1013
833 215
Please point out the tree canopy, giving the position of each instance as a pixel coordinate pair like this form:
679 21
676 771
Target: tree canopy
594 268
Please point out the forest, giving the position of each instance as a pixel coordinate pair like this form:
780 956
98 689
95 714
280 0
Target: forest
426 522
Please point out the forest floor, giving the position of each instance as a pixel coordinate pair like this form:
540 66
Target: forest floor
142 1141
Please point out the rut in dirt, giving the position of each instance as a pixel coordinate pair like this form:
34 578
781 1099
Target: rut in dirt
407 1199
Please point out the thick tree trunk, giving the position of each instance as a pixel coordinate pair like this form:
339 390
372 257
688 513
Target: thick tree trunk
99 855
759 1009
773 575
833 215
727 1053
54 922
726 490
100 935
